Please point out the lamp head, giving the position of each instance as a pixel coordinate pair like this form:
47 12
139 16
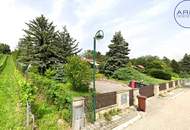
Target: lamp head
99 35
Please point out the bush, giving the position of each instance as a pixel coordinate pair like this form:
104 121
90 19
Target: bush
54 92
78 73
160 74
107 116
50 73
124 74
100 76
28 92
66 115
129 73
59 73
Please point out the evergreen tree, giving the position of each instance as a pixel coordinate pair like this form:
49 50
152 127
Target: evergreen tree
4 48
175 66
44 46
67 45
117 56
185 64
166 60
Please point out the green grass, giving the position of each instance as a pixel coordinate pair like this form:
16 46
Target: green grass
3 59
128 74
11 112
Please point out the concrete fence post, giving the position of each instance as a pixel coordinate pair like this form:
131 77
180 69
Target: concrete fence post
174 86
78 119
178 83
156 90
167 86
123 99
135 94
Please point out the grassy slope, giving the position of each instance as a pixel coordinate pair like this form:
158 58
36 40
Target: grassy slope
50 114
2 57
126 75
11 114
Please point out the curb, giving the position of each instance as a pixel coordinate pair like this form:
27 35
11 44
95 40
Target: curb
126 124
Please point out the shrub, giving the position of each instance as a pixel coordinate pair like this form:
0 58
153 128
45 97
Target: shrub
107 116
50 73
129 74
124 74
78 73
100 76
55 94
66 115
59 73
160 74
28 92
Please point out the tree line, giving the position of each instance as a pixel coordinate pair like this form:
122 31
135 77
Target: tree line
48 49
4 48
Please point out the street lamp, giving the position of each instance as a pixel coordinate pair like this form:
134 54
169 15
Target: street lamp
98 36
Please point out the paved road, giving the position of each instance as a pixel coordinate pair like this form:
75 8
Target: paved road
168 113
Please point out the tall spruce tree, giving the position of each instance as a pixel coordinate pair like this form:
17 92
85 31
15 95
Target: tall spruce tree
175 66
67 45
117 56
44 46
4 48
185 64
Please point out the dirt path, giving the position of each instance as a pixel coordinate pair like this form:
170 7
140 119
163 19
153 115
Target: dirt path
11 116
171 113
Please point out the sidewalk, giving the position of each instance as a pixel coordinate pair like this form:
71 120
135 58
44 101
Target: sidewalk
168 112
122 119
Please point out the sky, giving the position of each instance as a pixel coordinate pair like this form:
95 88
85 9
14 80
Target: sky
147 25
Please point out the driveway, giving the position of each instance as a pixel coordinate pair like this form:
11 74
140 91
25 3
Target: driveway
166 113
106 86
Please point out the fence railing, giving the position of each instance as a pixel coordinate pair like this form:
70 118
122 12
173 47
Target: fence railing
147 91
171 84
162 86
105 99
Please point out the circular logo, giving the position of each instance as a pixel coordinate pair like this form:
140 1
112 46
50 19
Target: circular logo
182 14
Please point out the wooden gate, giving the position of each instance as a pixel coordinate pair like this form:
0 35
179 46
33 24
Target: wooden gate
147 91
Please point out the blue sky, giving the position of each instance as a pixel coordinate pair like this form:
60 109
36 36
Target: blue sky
147 25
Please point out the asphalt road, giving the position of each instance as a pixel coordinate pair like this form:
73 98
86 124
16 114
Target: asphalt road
167 113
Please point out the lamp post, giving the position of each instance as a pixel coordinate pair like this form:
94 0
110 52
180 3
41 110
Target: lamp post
99 35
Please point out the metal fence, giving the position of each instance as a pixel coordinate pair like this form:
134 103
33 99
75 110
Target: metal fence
176 83
105 99
170 84
162 86
147 91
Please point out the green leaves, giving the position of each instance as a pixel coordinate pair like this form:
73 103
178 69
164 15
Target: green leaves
27 91
78 73
4 48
